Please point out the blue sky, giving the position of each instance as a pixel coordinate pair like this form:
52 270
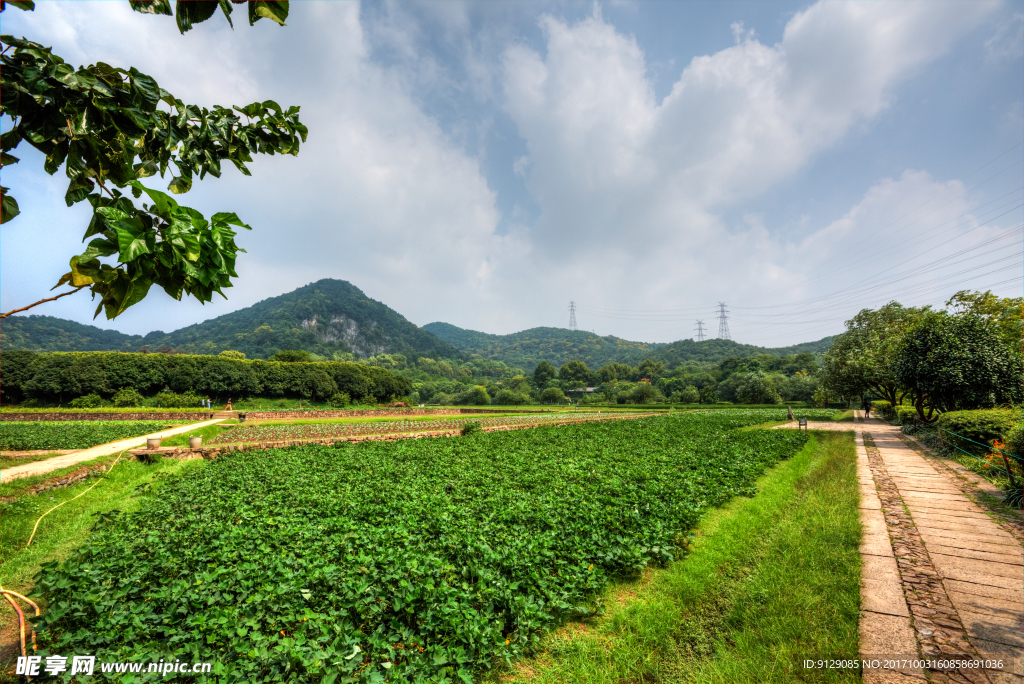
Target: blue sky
485 163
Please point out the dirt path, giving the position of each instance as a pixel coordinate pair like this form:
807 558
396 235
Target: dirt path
942 578
51 464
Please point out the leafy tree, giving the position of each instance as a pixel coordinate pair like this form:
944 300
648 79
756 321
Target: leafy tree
615 371
957 363
104 125
689 395
757 388
292 356
543 373
708 394
232 354
863 358
644 393
509 398
552 395
652 370
474 396
1005 313
574 371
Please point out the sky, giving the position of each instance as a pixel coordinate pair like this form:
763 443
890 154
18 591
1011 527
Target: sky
487 163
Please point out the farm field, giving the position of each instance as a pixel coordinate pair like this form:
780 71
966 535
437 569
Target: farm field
269 432
72 434
421 560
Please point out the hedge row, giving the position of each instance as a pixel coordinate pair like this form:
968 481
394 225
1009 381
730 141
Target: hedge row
61 376
983 426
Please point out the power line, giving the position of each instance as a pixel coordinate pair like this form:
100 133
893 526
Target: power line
723 323
700 331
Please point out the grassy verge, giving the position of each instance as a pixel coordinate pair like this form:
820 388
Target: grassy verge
207 433
844 417
771 580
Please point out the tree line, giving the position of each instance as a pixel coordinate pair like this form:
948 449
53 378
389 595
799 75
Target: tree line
58 377
967 356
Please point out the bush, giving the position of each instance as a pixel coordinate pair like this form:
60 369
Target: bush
339 400
127 397
509 398
689 395
883 409
88 401
1015 443
983 426
905 415
471 428
552 395
441 399
474 396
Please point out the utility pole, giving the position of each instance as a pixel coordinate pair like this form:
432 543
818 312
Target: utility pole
572 316
723 323
700 331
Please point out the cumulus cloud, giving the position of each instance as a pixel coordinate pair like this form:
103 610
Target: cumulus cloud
631 190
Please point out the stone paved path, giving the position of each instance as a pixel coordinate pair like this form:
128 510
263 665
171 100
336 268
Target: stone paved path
51 464
941 579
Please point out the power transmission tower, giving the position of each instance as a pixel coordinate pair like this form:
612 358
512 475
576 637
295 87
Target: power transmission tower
700 331
572 316
723 323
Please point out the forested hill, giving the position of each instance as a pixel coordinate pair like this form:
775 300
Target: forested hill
557 346
324 317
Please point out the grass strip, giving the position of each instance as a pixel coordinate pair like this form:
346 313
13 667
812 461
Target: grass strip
771 580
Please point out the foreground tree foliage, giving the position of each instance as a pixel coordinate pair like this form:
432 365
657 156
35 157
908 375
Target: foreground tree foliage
969 357
104 125
955 363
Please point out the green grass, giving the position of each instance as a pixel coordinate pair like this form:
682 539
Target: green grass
771 580
844 417
207 433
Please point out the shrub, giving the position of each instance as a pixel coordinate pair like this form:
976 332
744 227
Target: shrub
339 400
1015 442
552 395
474 396
983 426
127 397
88 401
441 399
883 409
471 428
689 395
509 398
905 415
232 354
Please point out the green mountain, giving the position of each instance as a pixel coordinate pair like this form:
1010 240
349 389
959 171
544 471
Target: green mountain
324 317
557 346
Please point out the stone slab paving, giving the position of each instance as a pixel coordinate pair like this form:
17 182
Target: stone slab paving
51 464
941 578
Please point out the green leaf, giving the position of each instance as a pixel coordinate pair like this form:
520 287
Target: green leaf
275 11
78 190
164 202
27 5
146 169
131 239
189 12
151 6
180 185
230 218
226 8
8 207
8 159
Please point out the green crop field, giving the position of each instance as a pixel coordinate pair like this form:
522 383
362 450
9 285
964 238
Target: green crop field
72 434
419 560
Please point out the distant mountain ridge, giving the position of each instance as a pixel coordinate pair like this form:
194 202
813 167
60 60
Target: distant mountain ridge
324 317
331 316
557 346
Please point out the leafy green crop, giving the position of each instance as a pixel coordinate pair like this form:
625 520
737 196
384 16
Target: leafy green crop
72 434
410 561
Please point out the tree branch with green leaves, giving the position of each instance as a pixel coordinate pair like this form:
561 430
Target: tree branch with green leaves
109 128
